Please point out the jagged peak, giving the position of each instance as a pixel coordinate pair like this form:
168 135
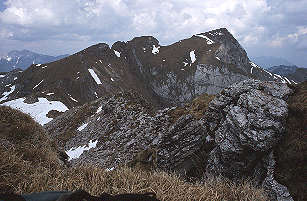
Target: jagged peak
147 38
220 35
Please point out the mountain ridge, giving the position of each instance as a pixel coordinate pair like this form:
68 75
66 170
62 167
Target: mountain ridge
164 75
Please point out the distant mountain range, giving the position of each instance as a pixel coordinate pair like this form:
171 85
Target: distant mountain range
269 61
291 72
24 58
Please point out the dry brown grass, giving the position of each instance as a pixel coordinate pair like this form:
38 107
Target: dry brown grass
18 131
292 150
197 107
125 180
21 176
24 146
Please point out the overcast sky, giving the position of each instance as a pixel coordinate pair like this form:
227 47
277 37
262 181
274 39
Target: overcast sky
263 27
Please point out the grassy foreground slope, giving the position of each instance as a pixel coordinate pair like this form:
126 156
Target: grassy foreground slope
30 162
291 154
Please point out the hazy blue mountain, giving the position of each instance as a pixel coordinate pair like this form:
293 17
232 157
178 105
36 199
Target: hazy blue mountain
283 69
291 72
269 61
24 58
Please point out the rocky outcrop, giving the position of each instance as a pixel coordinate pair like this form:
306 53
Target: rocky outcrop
235 137
247 120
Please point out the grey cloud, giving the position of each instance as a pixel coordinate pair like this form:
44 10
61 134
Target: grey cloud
32 23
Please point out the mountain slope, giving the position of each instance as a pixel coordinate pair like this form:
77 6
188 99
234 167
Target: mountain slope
23 59
164 75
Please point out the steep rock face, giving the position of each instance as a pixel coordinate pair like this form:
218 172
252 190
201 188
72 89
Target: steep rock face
204 63
247 121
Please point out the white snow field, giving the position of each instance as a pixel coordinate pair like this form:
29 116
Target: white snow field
38 110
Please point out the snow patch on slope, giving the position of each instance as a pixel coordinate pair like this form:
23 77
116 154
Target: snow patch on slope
83 126
38 84
155 50
280 77
74 153
275 76
287 80
1 76
117 54
253 66
6 94
94 75
37 110
72 98
99 110
209 41
192 56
